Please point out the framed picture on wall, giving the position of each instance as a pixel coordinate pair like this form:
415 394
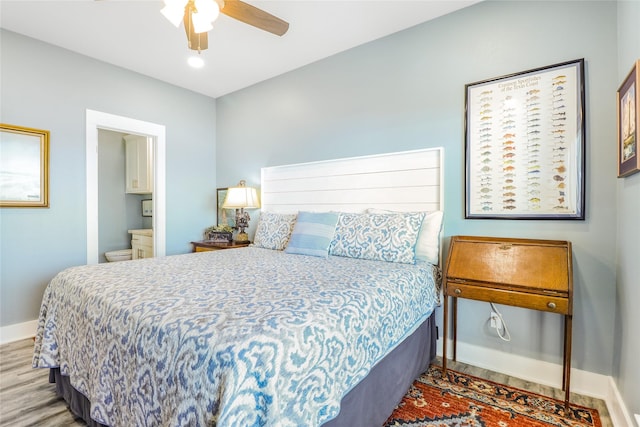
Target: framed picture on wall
147 207
628 122
525 145
224 216
24 167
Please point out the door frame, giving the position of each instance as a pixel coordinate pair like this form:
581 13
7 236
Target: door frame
98 120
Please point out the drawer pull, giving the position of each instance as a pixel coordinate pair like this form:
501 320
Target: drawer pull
457 291
551 305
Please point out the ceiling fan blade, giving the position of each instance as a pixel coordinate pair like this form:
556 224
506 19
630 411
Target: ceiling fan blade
253 16
196 41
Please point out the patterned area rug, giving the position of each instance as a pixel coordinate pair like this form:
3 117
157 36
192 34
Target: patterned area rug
462 400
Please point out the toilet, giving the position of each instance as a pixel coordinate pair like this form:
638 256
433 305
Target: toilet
121 255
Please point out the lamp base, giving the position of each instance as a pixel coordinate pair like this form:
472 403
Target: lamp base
242 237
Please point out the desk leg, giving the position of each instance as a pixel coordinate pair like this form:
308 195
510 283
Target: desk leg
455 328
566 376
445 322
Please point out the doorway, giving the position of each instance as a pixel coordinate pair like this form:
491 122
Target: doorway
96 120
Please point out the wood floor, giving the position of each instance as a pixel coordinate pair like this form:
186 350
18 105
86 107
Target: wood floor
27 398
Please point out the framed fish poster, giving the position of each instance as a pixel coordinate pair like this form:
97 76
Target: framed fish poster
525 145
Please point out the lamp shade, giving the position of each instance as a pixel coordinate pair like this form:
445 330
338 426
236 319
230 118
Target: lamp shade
173 10
241 197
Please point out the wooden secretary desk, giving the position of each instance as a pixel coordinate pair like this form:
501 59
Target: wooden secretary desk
534 274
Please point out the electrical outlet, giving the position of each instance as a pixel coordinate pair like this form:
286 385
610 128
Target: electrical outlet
495 321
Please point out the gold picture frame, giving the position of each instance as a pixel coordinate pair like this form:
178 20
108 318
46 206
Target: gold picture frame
24 167
628 101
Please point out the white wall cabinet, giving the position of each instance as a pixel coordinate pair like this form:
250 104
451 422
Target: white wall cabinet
141 243
138 164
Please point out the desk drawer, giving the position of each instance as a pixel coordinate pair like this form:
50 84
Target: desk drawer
553 304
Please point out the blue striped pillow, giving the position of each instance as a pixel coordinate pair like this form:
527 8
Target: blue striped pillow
312 234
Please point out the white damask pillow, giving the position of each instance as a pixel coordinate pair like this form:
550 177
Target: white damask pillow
428 244
274 230
382 237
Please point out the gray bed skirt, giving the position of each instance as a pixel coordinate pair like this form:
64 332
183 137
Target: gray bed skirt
369 404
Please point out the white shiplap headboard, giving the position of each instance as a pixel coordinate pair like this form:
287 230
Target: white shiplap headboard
402 181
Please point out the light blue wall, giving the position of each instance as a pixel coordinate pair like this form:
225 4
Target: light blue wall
406 91
627 336
46 87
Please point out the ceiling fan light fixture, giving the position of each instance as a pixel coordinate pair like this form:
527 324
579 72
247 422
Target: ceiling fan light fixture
173 10
206 11
195 61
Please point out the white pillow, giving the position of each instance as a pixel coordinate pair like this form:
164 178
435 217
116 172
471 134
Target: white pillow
428 244
274 230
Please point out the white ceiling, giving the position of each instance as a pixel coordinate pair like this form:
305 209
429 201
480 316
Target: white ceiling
134 35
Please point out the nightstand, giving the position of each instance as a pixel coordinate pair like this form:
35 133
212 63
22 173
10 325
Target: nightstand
203 245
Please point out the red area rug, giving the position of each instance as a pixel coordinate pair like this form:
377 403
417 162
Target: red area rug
462 400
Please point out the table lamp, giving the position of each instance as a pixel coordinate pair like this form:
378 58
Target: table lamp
240 198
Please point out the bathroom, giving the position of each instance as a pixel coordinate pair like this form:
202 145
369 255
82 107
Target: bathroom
120 211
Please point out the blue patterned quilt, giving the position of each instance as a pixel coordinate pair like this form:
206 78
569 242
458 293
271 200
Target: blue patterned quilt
240 337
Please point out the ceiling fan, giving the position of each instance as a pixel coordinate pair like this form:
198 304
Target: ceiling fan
198 16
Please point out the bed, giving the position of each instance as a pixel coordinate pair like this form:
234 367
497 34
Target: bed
280 333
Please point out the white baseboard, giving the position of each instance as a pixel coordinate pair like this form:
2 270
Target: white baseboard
18 331
545 373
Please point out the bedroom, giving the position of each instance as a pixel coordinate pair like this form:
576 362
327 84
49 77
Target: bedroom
403 92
